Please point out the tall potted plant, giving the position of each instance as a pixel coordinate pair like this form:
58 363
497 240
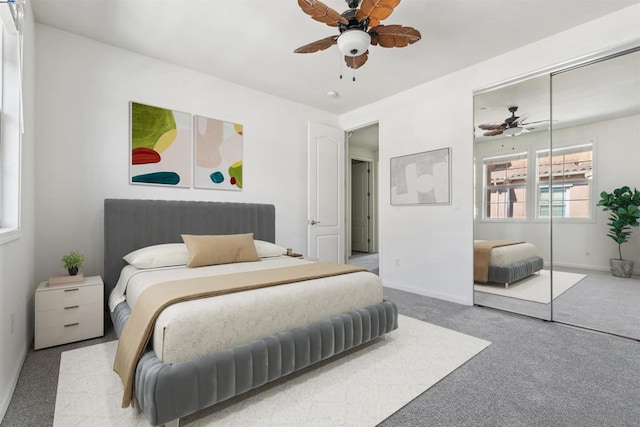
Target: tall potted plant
624 205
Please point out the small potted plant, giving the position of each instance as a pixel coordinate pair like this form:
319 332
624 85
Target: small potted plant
624 205
72 262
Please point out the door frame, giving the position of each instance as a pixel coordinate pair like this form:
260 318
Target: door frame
376 203
374 200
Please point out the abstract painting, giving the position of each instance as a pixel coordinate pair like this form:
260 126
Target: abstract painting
421 178
160 146
218 154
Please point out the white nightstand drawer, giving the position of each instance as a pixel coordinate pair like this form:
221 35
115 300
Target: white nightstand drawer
68 297
47 337
68 314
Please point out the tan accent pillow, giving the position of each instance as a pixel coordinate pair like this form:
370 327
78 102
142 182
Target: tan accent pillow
219 249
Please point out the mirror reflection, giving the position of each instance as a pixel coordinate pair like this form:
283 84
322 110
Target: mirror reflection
596 148
511 231
545 149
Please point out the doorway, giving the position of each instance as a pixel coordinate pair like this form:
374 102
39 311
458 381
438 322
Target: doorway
362 197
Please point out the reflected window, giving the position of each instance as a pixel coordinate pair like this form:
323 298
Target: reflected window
505 186
564 182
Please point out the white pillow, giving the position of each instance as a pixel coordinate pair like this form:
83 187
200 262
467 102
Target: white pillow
267 250
165 255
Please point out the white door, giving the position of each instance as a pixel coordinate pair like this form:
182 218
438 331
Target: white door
326 193
360 216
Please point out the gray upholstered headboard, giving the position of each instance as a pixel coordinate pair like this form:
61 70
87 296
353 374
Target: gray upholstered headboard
134 224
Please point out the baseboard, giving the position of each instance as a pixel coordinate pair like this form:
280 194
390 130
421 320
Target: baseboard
587 267
428 293
7 393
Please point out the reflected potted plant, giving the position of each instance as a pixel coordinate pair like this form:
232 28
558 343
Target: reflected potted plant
72 262
624 205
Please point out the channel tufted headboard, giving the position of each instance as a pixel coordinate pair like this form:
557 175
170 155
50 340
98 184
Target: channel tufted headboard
134 224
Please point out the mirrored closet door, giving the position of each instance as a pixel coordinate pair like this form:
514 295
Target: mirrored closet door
545 148
512 242
596 148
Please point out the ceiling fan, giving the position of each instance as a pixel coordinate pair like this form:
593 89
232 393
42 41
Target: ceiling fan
359 27
511 126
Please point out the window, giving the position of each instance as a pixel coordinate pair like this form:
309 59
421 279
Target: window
505 185
10 121
2 82
565 182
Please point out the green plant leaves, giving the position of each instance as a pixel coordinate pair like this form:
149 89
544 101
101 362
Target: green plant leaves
72 259
624 205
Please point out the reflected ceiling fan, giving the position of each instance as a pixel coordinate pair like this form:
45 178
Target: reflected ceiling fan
511 126
359 27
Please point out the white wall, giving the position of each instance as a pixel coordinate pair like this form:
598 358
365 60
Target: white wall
428 249
582 243
617 163
17 282
84 89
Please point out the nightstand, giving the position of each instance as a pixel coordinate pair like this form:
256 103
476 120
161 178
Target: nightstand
69 312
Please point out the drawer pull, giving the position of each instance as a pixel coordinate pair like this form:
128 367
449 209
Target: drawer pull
71 324
73 306
71 290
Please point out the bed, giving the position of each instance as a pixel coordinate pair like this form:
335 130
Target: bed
174 378
504 261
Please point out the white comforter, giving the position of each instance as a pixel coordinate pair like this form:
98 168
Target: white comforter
504 255
191 329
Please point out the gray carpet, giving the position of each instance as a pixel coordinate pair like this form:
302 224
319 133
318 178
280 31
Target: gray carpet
599 301
534 373
367 260
602 302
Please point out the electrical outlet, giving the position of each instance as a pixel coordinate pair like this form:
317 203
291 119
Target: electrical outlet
13 322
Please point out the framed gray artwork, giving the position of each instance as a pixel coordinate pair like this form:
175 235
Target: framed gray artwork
421 178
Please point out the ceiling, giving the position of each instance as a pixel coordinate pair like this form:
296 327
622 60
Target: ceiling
600 91
251 42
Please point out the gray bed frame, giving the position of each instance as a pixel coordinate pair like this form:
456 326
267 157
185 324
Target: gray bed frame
166 392
515 271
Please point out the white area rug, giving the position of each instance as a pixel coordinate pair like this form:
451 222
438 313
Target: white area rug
535 287
361 389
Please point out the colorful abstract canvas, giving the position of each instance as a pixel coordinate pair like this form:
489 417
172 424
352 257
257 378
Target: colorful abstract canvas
160 146
218 154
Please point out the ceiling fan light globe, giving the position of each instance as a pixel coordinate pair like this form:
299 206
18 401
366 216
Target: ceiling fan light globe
354 42
513 131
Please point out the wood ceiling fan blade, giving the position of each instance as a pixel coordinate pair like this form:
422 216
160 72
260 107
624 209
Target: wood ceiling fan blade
493 132
317 45
394 35
322 13
491 126
375 10
356 62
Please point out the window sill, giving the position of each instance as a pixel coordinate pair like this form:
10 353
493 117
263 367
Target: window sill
504 220
9 234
